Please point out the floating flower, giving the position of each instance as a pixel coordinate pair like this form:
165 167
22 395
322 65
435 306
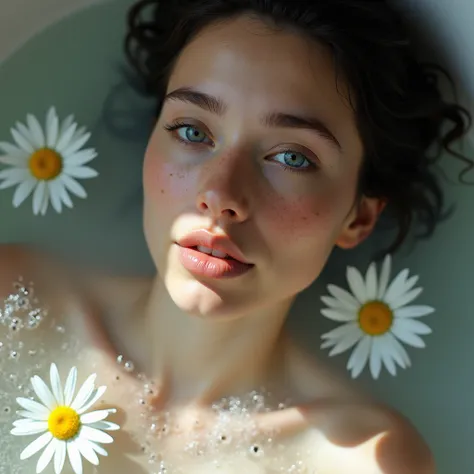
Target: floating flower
46 162
377 317
64 423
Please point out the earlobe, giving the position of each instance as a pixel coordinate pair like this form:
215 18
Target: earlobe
360 222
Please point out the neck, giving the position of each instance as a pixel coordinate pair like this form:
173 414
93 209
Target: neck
206 359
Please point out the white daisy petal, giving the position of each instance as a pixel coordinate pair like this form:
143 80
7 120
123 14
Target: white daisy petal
411 282
38 197
359 357
36 131
24 422
70 386
73 186
52 128
33 406
65 198
406 336
46 456
333 303
98 449
371 282
84 393
55 191
14 161
44 206
375 361
398 352
34 427
413 311
14 152
341 331
35 446
66 125
94 397
414 326
94 416
94 434
384 277
357 284
87 451
387 357
59 457
56 384
328 343
74 457
347 342
29 415
23 190
14 176
77 143
80 132
82 172
339 315
80 158
65 139
21 141
43 392
405 299
344 297
25 132
104 425
397 287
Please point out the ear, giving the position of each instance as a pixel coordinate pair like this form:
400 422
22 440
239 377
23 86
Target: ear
360 222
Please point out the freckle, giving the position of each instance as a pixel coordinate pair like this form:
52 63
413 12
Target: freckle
171 175
162 191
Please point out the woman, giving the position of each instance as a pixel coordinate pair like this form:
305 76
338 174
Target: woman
284 129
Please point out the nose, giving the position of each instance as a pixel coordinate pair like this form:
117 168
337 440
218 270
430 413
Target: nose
222 193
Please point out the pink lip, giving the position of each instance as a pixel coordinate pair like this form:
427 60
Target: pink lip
202 264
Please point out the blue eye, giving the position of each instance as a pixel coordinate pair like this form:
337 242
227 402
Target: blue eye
293 159
192 134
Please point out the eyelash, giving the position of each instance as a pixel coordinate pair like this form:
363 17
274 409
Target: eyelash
177 125
311 167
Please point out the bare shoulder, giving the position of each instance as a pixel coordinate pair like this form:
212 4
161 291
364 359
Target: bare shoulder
351 431
366 439
18 261
30 284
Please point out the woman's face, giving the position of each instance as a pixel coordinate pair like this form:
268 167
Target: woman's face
255 144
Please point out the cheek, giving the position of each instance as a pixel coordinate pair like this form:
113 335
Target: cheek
164 183
309 218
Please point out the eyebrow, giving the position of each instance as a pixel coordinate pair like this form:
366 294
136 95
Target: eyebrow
216 106
204 101
278 119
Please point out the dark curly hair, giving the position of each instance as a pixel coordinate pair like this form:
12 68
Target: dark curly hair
399 109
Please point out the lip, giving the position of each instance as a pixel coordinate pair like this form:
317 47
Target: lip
205 265
216 242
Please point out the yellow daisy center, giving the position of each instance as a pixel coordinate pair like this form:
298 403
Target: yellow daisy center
45 164
64 423
375 318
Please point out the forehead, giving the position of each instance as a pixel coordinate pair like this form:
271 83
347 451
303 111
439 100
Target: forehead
247 61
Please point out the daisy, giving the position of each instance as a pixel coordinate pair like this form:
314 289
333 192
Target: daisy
46 162
377 316
63 422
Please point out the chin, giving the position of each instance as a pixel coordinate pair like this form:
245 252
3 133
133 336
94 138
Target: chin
200 301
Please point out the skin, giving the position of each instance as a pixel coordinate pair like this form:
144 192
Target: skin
182 329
